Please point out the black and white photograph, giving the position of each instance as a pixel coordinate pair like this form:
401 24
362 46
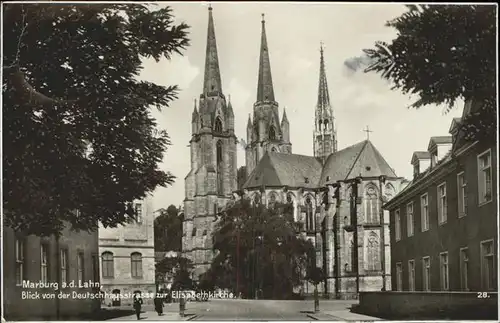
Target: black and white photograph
249 161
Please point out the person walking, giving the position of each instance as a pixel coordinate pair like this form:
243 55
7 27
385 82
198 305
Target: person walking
158 305
137 305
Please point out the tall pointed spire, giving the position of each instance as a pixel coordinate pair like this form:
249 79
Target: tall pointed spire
284 119
212 81
323 95
265 91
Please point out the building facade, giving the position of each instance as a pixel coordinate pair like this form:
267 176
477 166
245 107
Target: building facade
444 224
73 258
128 258
353 253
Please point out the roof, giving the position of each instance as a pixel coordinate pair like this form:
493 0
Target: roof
420 155
440 140
280 169
361 159
454 123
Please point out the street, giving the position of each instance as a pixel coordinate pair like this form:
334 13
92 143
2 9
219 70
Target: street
255 310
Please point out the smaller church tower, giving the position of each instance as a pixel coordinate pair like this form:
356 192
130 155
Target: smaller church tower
325 133
266 132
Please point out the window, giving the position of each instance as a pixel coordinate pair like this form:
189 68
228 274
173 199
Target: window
434 159
64 265
462 194
424 209
80 266
193 233
409 219
372 205
397 224
138 212
373 252
272 200
19 261
411 275
136 264
464 269
442 204
488 273
484 177
219 161
44 263
272 133
218 125
309 215
399 276
108 265
426 274
443 261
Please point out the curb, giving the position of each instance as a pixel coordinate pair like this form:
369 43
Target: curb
322 317
191 317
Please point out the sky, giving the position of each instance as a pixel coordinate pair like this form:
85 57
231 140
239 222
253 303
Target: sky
294 33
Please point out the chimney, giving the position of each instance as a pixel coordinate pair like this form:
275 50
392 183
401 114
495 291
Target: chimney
439 147
421 160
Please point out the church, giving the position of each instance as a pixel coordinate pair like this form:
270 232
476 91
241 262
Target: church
337 194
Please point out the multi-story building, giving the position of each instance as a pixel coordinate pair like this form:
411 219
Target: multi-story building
29 260
128 258
444 224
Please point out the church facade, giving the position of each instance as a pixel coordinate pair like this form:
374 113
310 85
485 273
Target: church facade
337 194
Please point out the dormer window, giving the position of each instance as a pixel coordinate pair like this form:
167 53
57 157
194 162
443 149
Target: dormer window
416 170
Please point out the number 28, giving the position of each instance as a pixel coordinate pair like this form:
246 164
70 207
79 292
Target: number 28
482 295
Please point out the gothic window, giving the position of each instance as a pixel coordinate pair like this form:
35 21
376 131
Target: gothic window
326 124
272 133
289 198
218 125
371 205
201 122
309 215
272 199
373 252
319 124
219 167
389 191
256 198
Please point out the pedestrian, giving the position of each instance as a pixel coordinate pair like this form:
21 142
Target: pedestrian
158 305
137 304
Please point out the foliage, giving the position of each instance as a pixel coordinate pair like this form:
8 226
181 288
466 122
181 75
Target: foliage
78 130
443 53
258 248
168 230
315 275
169 265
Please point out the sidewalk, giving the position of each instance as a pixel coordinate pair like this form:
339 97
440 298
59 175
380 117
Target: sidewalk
153 316
341 315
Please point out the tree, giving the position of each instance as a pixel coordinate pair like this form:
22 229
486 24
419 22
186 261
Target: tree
258 249
443 53
80 143
168 230
170 266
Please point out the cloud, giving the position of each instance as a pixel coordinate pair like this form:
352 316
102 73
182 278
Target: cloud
358 63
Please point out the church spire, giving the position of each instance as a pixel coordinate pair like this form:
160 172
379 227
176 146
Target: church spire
323 95
212 82
265 91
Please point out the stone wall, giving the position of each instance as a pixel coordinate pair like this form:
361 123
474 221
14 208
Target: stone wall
429 305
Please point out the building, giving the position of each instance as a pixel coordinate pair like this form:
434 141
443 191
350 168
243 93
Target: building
128 258
31 259
276 174
444 224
